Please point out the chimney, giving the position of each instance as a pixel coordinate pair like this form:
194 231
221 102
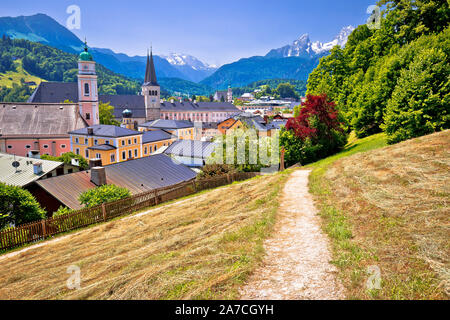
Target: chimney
90 131
95 163
98 176
37 168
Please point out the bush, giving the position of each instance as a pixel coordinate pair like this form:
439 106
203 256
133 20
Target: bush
103 194
315 133
67 159
214 170
18 206
62 211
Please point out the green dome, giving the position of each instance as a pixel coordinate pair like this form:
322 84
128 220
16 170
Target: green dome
85 55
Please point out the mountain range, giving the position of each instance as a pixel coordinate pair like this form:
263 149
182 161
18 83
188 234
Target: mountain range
182 72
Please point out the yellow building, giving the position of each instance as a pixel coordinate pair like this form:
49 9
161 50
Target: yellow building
182 129
112 144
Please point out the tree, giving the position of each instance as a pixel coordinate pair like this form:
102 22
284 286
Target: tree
103 194
18 206
106 114
286 90
67 159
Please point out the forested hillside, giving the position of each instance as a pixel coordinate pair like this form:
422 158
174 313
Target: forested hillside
396 78
52 64
300 86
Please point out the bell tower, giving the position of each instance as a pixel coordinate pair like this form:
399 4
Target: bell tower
151 91
87 88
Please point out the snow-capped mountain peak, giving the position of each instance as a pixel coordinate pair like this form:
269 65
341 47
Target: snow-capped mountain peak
303 47
179 59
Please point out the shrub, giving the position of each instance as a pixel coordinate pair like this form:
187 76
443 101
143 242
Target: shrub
67 159
214 170
315 133
18 206
62 211
103 194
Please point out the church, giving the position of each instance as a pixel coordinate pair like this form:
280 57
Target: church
138 109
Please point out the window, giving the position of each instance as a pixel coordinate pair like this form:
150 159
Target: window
69 170
123 142
130 155
77 140
129 141
124 155
88 116
77 151
113 158
145 150
85 141
135 140
98 155
63 146
27 146
9 147
45 146
86 89
87 153
106 141
95 141
135 153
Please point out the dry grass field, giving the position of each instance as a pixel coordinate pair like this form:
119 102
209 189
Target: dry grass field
202 247
389 208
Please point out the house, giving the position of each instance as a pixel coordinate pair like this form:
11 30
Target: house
139 175
247 97
182 129
154 140
192 153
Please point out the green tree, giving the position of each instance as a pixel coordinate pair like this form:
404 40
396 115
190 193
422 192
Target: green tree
18 206
103 194
106 114
67 159
286 90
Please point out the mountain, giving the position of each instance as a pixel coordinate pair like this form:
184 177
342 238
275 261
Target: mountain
44 29
294 61
303 47
191 67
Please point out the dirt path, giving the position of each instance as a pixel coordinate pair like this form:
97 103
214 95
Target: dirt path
297 264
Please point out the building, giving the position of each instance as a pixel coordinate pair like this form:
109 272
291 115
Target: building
192 153
224 96
138 108
155 140
248 120
247 97
182 129
139 175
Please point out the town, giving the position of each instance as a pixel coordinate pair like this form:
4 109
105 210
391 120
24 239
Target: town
256 167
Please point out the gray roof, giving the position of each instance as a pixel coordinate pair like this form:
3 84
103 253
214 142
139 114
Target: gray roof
29 119
55 92
191 148
104 130
25 172
134 103
138 176
155 135
199 106
168 124
104 147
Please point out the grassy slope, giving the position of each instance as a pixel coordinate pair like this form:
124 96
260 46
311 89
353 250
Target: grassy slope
203 247
8 78
388 208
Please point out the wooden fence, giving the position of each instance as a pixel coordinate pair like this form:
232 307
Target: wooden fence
40 230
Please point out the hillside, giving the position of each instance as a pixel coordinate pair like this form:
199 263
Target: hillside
388 209
248 70
200 247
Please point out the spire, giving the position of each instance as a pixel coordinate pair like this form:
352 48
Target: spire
150 73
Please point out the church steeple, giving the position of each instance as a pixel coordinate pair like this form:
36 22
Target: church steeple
150 73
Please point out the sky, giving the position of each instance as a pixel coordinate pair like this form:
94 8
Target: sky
216 32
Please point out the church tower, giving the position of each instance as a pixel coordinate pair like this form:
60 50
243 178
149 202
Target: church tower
151 91
87 88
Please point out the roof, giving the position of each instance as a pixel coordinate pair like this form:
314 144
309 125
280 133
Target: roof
39 119
134 103
25 172
155 135
168 124
138 176
55 92
191 148
106 130
104 147
150 74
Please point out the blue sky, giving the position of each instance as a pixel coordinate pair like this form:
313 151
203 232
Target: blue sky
217 32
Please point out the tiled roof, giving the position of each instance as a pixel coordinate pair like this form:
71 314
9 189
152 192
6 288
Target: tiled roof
191 148
25 172
168 124
39 119
138 176
155 135
104 130
55 92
